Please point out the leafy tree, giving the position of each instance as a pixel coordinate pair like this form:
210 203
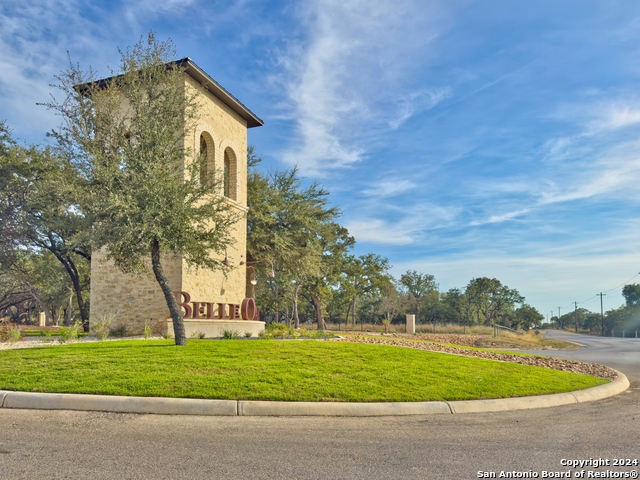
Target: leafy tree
456 307
591 321
336 242
40 211
127 135
37 278
391 303
365 275
422 289
526 317
292 235
625 318
631 294
491 300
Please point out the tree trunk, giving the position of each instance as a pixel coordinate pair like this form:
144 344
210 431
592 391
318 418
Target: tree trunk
353 311
346 319
172 303
317 306
68 313
71 269
294 308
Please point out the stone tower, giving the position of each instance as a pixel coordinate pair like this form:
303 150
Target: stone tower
135 301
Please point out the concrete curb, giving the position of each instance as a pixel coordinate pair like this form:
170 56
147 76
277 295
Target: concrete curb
518 403
184 406
616 387
340 409
108 403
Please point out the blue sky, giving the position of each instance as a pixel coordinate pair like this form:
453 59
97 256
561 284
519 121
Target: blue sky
459 138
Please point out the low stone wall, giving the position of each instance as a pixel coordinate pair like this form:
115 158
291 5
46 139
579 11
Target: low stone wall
216 328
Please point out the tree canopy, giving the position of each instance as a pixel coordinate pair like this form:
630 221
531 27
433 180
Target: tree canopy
127 137
40 212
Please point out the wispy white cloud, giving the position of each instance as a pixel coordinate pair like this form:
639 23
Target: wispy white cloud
345 77
30 57
399 223
389 188
417 102
613 117
597 113
614 170
139 13
501 218
36 36
547 273
380 232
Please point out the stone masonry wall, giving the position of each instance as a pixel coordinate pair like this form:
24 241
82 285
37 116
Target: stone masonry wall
134 300
130 300
228 131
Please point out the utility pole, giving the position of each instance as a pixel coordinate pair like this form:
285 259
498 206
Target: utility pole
576 315
601 310
558 318
551 318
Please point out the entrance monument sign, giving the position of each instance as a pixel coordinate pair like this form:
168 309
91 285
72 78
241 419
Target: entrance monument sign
220 137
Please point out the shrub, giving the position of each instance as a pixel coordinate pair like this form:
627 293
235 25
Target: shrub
70 332
277 330
166 336
147 329
119 331
5 327
230 334
280 330
306 333
14 335
247 334
386 322
198 334
101 329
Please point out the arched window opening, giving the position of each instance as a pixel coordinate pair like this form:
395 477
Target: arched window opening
227 180
206 159
230 174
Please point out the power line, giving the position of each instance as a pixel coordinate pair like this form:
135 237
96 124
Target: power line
623 284
599 295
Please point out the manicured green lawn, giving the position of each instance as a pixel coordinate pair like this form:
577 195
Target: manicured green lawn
274 370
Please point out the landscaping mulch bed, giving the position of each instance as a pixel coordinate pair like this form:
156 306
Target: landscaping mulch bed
554 363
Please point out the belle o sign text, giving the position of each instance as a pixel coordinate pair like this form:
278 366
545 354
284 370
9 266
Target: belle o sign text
217 311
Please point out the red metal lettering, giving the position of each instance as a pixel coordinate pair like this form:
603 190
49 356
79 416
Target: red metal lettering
184 304
224 311
248 309
199 310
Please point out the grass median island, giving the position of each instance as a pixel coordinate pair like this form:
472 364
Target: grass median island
274 370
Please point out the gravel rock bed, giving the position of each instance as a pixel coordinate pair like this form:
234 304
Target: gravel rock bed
555 363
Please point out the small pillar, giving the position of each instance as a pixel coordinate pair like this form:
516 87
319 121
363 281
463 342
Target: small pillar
42 319
411 324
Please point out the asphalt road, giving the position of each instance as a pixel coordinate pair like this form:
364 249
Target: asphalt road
58 444
623 354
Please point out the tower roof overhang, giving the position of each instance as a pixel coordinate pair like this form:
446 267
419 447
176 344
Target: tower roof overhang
200 76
